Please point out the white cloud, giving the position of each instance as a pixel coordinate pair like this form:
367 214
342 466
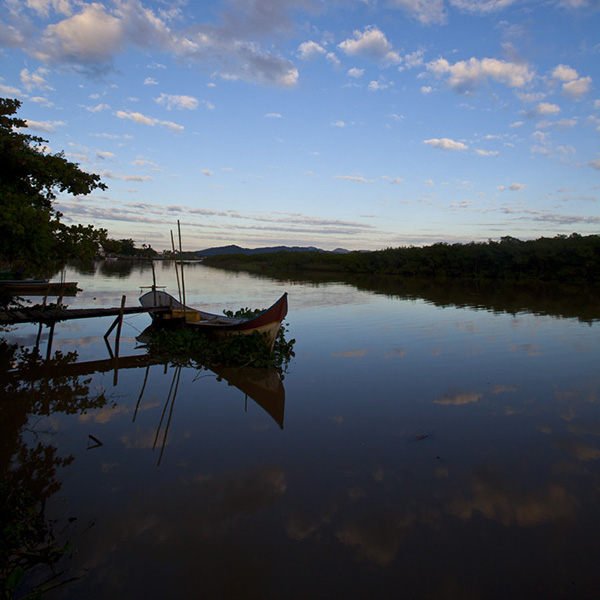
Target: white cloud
357 178
141 119
371 43
414 59
273 116
333 59
595 164
573 4
446 144
137 118
150 81
175 127
103 155
310 50
110 175
356 73
577 88
92 35
98 108
466 76
487 152
340 124
90 40
142 162
545 108
35 80
426 89
178 102
42 101
206 172
564 73
481 6
562 124
531 97
515 187
427 12
45 126
7 90
375 86
43 7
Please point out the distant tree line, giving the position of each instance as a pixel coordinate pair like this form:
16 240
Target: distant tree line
126 248
561 258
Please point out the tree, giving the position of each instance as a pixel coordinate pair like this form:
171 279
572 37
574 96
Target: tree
32 235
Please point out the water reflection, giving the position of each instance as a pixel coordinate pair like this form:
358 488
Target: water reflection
431 449
31 467
568 300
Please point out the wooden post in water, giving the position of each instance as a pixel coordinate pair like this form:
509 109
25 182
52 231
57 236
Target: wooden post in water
50 336
153 280
120 323
176 268
182 278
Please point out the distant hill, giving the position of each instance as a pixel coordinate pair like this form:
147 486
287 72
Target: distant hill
233 249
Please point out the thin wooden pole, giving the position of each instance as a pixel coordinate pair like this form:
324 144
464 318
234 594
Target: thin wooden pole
182 277
153 280
50 337
176 268
119 327
165 408
141 393
164 442
39 335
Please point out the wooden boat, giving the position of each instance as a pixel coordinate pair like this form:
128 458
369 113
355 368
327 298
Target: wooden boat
169 312
38 287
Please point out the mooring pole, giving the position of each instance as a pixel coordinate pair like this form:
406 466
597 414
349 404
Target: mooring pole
50 336
119 327
153 280
182 278
176 268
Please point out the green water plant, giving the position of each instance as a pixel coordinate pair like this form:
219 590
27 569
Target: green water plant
186 345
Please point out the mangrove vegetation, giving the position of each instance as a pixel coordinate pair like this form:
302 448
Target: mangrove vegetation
573 258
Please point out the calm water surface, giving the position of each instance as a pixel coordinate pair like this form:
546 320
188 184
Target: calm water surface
418 446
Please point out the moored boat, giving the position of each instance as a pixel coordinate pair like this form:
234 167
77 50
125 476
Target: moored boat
171 313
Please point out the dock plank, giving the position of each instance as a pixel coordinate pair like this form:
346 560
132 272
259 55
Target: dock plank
52 315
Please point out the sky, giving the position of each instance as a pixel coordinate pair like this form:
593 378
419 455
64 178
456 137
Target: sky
356 124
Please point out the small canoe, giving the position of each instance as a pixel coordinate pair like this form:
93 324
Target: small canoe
170 313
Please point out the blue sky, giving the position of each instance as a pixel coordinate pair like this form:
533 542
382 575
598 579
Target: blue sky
355 124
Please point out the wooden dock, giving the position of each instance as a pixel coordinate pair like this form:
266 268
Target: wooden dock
50 315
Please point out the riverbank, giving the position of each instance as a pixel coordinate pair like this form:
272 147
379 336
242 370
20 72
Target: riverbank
566 259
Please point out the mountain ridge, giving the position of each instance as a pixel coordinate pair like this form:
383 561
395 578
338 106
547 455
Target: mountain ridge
234 249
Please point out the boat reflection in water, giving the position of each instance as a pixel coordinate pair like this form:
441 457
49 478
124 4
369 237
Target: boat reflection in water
263 385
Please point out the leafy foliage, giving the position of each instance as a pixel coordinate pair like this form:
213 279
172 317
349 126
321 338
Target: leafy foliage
31 232
126 248
573 258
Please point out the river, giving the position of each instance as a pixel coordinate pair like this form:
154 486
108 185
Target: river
426 441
